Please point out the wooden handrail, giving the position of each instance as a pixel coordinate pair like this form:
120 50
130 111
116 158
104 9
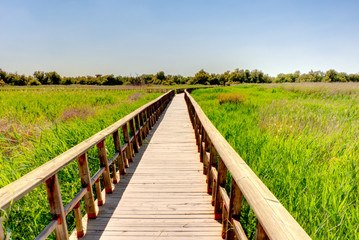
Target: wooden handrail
148 114
218 156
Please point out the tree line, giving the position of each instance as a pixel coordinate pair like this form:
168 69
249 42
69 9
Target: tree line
202 77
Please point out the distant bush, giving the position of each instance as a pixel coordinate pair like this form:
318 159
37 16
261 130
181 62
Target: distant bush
231 98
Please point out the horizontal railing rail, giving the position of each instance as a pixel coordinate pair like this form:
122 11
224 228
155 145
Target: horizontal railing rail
219 158
138 123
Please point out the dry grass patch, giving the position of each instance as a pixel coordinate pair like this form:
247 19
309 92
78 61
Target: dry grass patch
76 112
341 88
135 96
231 98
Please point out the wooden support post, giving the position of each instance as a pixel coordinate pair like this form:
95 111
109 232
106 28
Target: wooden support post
214 191
120 160
224 220
207 155
138 127
221 178
86 183
212 159
207 143
78 221
127 140
235 206
199 134
99 192
157 105
142 125
202 148
114 173
2 232
260 233
56 207
135 144
149 122
196 131
153 115
101 149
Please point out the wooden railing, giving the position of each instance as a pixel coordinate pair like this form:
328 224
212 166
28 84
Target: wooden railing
138 123
219 158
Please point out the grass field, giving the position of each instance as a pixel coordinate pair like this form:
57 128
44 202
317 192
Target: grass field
303 143
36 126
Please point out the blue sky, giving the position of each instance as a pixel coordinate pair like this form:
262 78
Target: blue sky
179 37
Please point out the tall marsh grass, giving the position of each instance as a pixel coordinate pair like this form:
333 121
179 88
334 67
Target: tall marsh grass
37 126
303 146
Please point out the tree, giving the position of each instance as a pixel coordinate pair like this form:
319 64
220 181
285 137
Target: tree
3 76
331 76
40 76
160 76
353 77
343 77
213 80
237 76
257 76
52 78
201 77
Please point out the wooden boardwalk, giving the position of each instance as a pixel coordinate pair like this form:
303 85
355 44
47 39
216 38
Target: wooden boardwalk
163 195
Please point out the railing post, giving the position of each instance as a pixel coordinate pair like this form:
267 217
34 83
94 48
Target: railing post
86 183
152 115
99 192
235 206
78 220
212 157
114 172
120 160
260 233
135 139
224 220
104 163
196 126
138 126
2 233
147 124
221 182
126 138
56 207
143 125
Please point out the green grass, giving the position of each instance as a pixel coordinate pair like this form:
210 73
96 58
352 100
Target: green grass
304 146
38 126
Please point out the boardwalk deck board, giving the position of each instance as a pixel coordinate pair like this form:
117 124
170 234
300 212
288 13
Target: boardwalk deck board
163 195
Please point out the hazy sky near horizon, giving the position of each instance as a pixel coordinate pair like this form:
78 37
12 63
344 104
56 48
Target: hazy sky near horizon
179 37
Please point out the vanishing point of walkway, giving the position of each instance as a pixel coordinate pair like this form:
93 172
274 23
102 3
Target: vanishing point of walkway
163 195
